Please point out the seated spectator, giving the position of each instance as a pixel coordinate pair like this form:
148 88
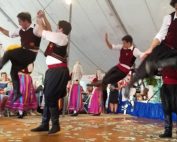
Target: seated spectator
5 88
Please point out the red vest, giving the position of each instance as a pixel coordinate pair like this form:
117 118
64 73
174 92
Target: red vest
127 57
169 75
171 37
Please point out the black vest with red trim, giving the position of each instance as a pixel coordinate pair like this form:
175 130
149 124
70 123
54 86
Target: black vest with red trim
171 37
127 57
29 40
56 51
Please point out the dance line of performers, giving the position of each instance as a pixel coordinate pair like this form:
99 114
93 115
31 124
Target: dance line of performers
161 54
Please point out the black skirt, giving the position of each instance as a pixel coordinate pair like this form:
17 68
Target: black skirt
113 97
169 98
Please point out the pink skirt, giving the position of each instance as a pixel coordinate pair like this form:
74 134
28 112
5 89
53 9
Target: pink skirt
75 98
28 100
95 104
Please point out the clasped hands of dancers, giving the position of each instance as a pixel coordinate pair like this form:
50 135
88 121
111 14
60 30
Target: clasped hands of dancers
57 74
161 54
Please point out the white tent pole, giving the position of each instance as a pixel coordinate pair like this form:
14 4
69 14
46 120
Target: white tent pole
68 52
69 38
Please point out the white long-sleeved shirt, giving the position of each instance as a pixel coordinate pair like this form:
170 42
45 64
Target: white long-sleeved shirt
137 53
58 38
164 28
15 33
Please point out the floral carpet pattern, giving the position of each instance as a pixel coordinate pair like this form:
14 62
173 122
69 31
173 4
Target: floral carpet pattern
85 128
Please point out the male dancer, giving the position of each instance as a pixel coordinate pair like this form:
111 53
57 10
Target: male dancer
163 54
21 57
163 49
128 55
57 75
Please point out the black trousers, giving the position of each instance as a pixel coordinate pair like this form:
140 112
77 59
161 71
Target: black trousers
168 95
20 59
112 76
55 83
161 55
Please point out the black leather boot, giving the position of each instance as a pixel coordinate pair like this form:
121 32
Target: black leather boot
45 121
55 120
151 67
168 127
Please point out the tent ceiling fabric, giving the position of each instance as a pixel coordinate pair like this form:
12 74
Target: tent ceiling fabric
90 20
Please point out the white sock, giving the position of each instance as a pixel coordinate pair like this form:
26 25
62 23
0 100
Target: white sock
75 111
20 112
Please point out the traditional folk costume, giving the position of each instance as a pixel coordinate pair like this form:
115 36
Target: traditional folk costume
126 61
75 103
168 95
21 57
162 56
28 100
96 103
56 78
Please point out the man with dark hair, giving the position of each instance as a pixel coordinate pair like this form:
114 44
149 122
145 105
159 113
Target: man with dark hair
65 26
21 57
128 55
57 75
24 16
163 54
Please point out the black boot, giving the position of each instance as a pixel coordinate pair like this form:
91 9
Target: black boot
140 73
151 67
55 120
45 121
75 114
168 127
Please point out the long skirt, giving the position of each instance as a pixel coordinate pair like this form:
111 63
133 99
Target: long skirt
75 98
28 99
95 104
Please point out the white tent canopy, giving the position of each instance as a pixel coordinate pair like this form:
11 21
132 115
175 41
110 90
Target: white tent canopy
90 20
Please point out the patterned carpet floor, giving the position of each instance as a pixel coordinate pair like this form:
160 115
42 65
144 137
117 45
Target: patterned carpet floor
86 128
